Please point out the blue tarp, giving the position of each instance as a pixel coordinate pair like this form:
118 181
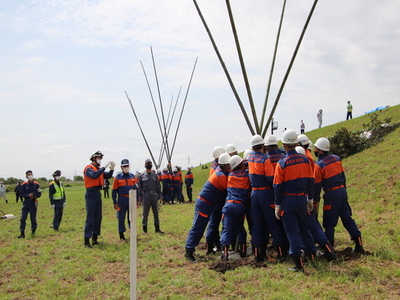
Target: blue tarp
376 109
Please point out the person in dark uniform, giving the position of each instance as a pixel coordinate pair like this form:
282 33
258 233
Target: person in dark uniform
150 192
30 191
106 188
94 176
123 183
57 198
17 193
189 180
294 189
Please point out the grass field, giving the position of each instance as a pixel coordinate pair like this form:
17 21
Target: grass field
54 265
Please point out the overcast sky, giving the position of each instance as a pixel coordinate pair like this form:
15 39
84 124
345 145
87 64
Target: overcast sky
65 67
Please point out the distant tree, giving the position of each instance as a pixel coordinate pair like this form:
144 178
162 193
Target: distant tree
78 178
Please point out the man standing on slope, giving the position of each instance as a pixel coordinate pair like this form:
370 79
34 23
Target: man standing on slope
330 176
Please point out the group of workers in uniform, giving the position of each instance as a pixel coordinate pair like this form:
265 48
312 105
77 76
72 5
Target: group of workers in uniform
172 184
29 191
278 191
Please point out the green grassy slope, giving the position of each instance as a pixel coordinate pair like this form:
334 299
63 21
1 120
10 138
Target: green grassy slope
55 265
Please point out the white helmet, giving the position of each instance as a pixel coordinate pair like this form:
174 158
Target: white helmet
224 159
230 148
165 169
217 151
290 137
247 153
300 150
235 161
257 140
310 145
303 139
271 140
323 144
174 170
158 171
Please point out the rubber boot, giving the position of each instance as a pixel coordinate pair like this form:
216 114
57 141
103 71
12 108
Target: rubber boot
145 229
359 247
94 239
22 235
121 236
218 245
298 267
242 250
33 232
282 254
87 243
210 248
329 252
158 230
311 258
259 254
225 254
189 255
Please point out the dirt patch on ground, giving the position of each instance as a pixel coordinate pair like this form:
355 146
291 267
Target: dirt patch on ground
235 261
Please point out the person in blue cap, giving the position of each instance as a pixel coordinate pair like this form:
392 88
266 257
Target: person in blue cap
123 183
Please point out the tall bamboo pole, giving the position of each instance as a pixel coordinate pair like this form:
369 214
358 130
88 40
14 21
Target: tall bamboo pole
243 67
272 66
225 69
140 127
289 68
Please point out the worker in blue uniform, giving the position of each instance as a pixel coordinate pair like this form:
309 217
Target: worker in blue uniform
294 188
330 176
235 208
212 195
30 191
93 176
123 183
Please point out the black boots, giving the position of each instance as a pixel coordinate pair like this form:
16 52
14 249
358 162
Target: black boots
158 230
94 239
260 253
225 255
282 254
242 250
189 255
359 247
210 248
87 243
22 235
145 229
329 251
298 267
121 236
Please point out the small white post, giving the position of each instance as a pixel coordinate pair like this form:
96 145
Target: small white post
133 245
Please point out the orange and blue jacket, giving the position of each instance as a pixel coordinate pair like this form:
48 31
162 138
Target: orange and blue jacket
166 179
123 183
329 174
213 167
189 178
214 190
261 171
293 177
176 178
94 177
239 187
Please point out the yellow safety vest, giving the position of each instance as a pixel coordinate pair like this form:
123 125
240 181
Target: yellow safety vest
59 194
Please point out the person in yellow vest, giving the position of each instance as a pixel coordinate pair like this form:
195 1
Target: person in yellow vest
57 198
93 176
